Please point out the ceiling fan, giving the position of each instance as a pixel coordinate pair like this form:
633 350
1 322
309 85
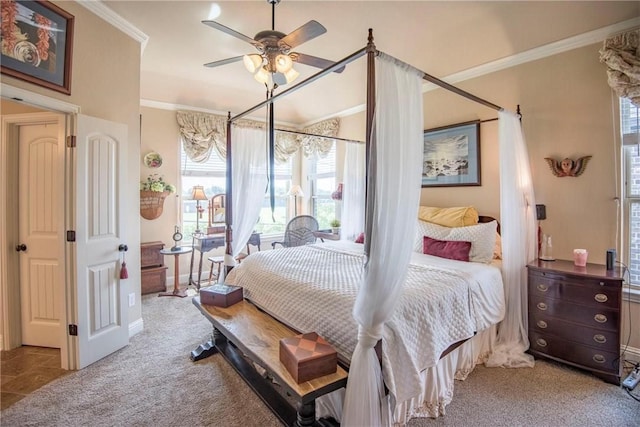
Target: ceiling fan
274 62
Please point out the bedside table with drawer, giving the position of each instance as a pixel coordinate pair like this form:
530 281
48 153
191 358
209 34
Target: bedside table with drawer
575 314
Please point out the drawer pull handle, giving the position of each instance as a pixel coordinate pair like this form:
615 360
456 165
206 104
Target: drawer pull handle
541 306
598 358
600 318
600 339
542 287
542 324
601 298
541 342
601 283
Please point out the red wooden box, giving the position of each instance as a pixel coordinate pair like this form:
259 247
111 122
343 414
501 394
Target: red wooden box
308 356
221 295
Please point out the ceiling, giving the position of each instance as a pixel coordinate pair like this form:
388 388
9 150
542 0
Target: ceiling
441 38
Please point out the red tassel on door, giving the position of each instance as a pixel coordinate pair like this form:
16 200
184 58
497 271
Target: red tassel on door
124 274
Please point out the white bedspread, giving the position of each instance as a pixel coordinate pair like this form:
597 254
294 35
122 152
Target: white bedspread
313 288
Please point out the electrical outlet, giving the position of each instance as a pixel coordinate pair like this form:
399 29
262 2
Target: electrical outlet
132 300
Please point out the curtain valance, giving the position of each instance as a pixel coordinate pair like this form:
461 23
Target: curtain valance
621 53
201 133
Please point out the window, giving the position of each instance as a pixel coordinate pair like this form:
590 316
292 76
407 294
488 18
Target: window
265 224
630 119
212 176
322 182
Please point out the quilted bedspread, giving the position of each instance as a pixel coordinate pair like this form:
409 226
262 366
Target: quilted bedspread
314 287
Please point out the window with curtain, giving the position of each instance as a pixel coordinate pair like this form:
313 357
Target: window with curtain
266 225
212 176
630 126
322 182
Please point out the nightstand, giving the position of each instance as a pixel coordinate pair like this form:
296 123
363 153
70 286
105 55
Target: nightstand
575 314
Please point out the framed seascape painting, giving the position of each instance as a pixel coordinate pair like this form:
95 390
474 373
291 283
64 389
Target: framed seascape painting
451 155
37 40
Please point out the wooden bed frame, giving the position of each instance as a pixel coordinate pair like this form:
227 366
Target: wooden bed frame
232 344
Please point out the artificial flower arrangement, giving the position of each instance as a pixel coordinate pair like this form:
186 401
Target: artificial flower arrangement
156 183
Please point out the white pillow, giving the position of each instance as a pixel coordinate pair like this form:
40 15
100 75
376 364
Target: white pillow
482 237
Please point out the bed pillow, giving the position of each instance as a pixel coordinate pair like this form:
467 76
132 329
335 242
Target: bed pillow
457 250
482 237
449 217
497 249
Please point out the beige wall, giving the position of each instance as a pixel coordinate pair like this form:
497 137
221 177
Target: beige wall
106 84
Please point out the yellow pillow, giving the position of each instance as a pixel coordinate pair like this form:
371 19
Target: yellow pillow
449 217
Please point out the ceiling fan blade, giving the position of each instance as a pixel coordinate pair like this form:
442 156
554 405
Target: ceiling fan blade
234 33
314 61
223 61
308 31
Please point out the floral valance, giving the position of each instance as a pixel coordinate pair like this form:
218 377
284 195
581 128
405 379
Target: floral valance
201 133
621 53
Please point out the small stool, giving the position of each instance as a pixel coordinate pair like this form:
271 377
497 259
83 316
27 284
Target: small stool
219 260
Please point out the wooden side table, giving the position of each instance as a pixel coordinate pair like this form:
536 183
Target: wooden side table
177 292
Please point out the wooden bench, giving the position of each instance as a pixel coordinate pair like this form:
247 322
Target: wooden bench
242 331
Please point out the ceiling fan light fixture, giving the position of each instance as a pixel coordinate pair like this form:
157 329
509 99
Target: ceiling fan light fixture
283 63
291 75
252 62
262 76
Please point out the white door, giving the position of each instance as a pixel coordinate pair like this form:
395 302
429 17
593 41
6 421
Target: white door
40 204
100 176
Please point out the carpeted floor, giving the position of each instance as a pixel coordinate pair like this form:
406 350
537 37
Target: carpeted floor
152 382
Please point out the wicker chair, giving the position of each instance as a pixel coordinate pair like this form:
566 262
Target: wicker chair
299 232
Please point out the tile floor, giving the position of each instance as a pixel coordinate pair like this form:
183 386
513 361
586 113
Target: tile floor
26 369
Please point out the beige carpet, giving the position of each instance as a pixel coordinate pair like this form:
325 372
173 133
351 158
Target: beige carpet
152 382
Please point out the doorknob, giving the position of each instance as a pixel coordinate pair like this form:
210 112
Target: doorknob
123 248
21 247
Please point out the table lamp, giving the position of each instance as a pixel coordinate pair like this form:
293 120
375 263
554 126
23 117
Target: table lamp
295 191
197 194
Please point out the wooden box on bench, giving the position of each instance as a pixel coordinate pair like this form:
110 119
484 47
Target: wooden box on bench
308 356
221 295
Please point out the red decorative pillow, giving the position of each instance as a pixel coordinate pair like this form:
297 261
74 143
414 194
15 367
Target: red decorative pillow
360 238
458 250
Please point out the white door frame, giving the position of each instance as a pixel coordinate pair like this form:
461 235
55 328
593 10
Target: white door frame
9 261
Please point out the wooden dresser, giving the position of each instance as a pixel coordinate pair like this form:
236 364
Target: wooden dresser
153 270
575 314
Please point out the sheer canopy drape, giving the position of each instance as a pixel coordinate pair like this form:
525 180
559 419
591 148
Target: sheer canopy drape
397 168
517 213
249 182
353 191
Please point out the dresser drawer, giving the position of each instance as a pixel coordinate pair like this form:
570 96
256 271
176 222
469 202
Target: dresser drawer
584 356
584 291
594 317
606 340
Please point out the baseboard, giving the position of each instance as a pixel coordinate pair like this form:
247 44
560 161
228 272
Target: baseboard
136 327
630 353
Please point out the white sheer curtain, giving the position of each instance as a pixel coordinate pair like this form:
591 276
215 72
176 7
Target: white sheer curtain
353 191
517 214
249 182
397 169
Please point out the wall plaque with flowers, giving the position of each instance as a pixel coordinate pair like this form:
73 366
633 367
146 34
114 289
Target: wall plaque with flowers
153 191
37 40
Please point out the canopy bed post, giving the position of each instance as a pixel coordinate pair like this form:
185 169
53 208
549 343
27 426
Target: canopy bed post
370 141
228 210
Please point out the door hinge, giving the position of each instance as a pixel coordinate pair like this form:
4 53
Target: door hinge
73 330
71 235
71 141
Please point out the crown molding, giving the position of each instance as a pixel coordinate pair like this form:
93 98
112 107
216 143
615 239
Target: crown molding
102 11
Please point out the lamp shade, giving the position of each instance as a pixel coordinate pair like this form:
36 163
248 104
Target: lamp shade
262 76
197 193
291 75
283 63
252 62
296 190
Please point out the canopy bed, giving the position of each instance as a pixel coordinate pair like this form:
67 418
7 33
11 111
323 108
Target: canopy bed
419 380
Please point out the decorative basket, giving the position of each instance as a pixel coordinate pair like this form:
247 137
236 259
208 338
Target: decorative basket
151 203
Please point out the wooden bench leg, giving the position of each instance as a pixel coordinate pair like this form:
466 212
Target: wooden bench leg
208 348
306 415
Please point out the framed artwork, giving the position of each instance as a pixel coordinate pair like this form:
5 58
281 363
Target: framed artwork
37 40
451 156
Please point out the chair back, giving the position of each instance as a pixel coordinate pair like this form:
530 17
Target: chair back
300 230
